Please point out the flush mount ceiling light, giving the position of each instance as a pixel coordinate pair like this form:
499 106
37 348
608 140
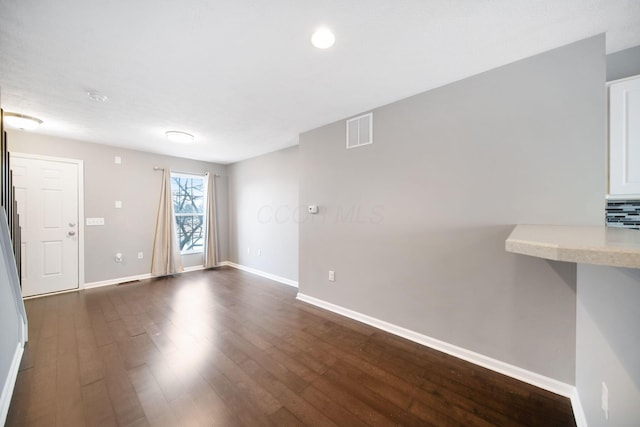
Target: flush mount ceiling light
21 121
323 38
97 97
177 136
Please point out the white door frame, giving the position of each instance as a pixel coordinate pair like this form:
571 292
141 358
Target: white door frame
80 164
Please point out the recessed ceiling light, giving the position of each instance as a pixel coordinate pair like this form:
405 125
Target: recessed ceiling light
96 96
177 136
323 38
21 121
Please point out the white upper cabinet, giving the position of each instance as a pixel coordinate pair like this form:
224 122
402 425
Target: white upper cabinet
624 137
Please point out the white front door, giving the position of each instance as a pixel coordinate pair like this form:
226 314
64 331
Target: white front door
47 198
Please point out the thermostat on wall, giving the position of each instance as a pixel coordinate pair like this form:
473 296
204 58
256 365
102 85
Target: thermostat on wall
313 209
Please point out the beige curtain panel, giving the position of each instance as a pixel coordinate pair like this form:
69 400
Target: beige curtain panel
166 258
210 253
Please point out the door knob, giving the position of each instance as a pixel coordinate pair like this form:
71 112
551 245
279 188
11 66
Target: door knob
72 224
72 233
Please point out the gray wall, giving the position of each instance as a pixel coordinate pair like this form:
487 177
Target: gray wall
414 225
10 317
264 213
624 63
607 341
608 344
9 337
128 230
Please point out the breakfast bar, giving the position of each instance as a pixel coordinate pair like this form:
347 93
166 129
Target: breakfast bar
607 287
599 245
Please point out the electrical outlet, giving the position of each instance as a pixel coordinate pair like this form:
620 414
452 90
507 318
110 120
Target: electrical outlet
332 276
118 258
140 255
605 400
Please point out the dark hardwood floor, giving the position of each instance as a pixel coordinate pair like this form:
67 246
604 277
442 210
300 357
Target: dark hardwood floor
227 348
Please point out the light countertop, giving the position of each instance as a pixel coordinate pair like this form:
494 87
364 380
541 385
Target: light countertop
616 247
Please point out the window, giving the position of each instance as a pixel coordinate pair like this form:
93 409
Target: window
189 206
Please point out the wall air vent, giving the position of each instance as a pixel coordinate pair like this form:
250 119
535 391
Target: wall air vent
360 131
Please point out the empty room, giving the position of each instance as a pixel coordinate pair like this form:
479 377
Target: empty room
330 213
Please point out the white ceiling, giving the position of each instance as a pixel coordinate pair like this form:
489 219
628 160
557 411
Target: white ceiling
242 76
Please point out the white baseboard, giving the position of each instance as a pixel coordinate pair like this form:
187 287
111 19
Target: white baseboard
193 268
280 279
117 281
529 377
578 410
7 388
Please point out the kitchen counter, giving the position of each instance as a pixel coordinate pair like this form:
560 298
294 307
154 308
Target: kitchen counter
600 245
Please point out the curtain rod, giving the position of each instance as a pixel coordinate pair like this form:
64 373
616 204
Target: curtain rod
158 168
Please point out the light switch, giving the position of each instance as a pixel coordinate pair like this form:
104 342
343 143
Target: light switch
117 160
118 204
95 221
